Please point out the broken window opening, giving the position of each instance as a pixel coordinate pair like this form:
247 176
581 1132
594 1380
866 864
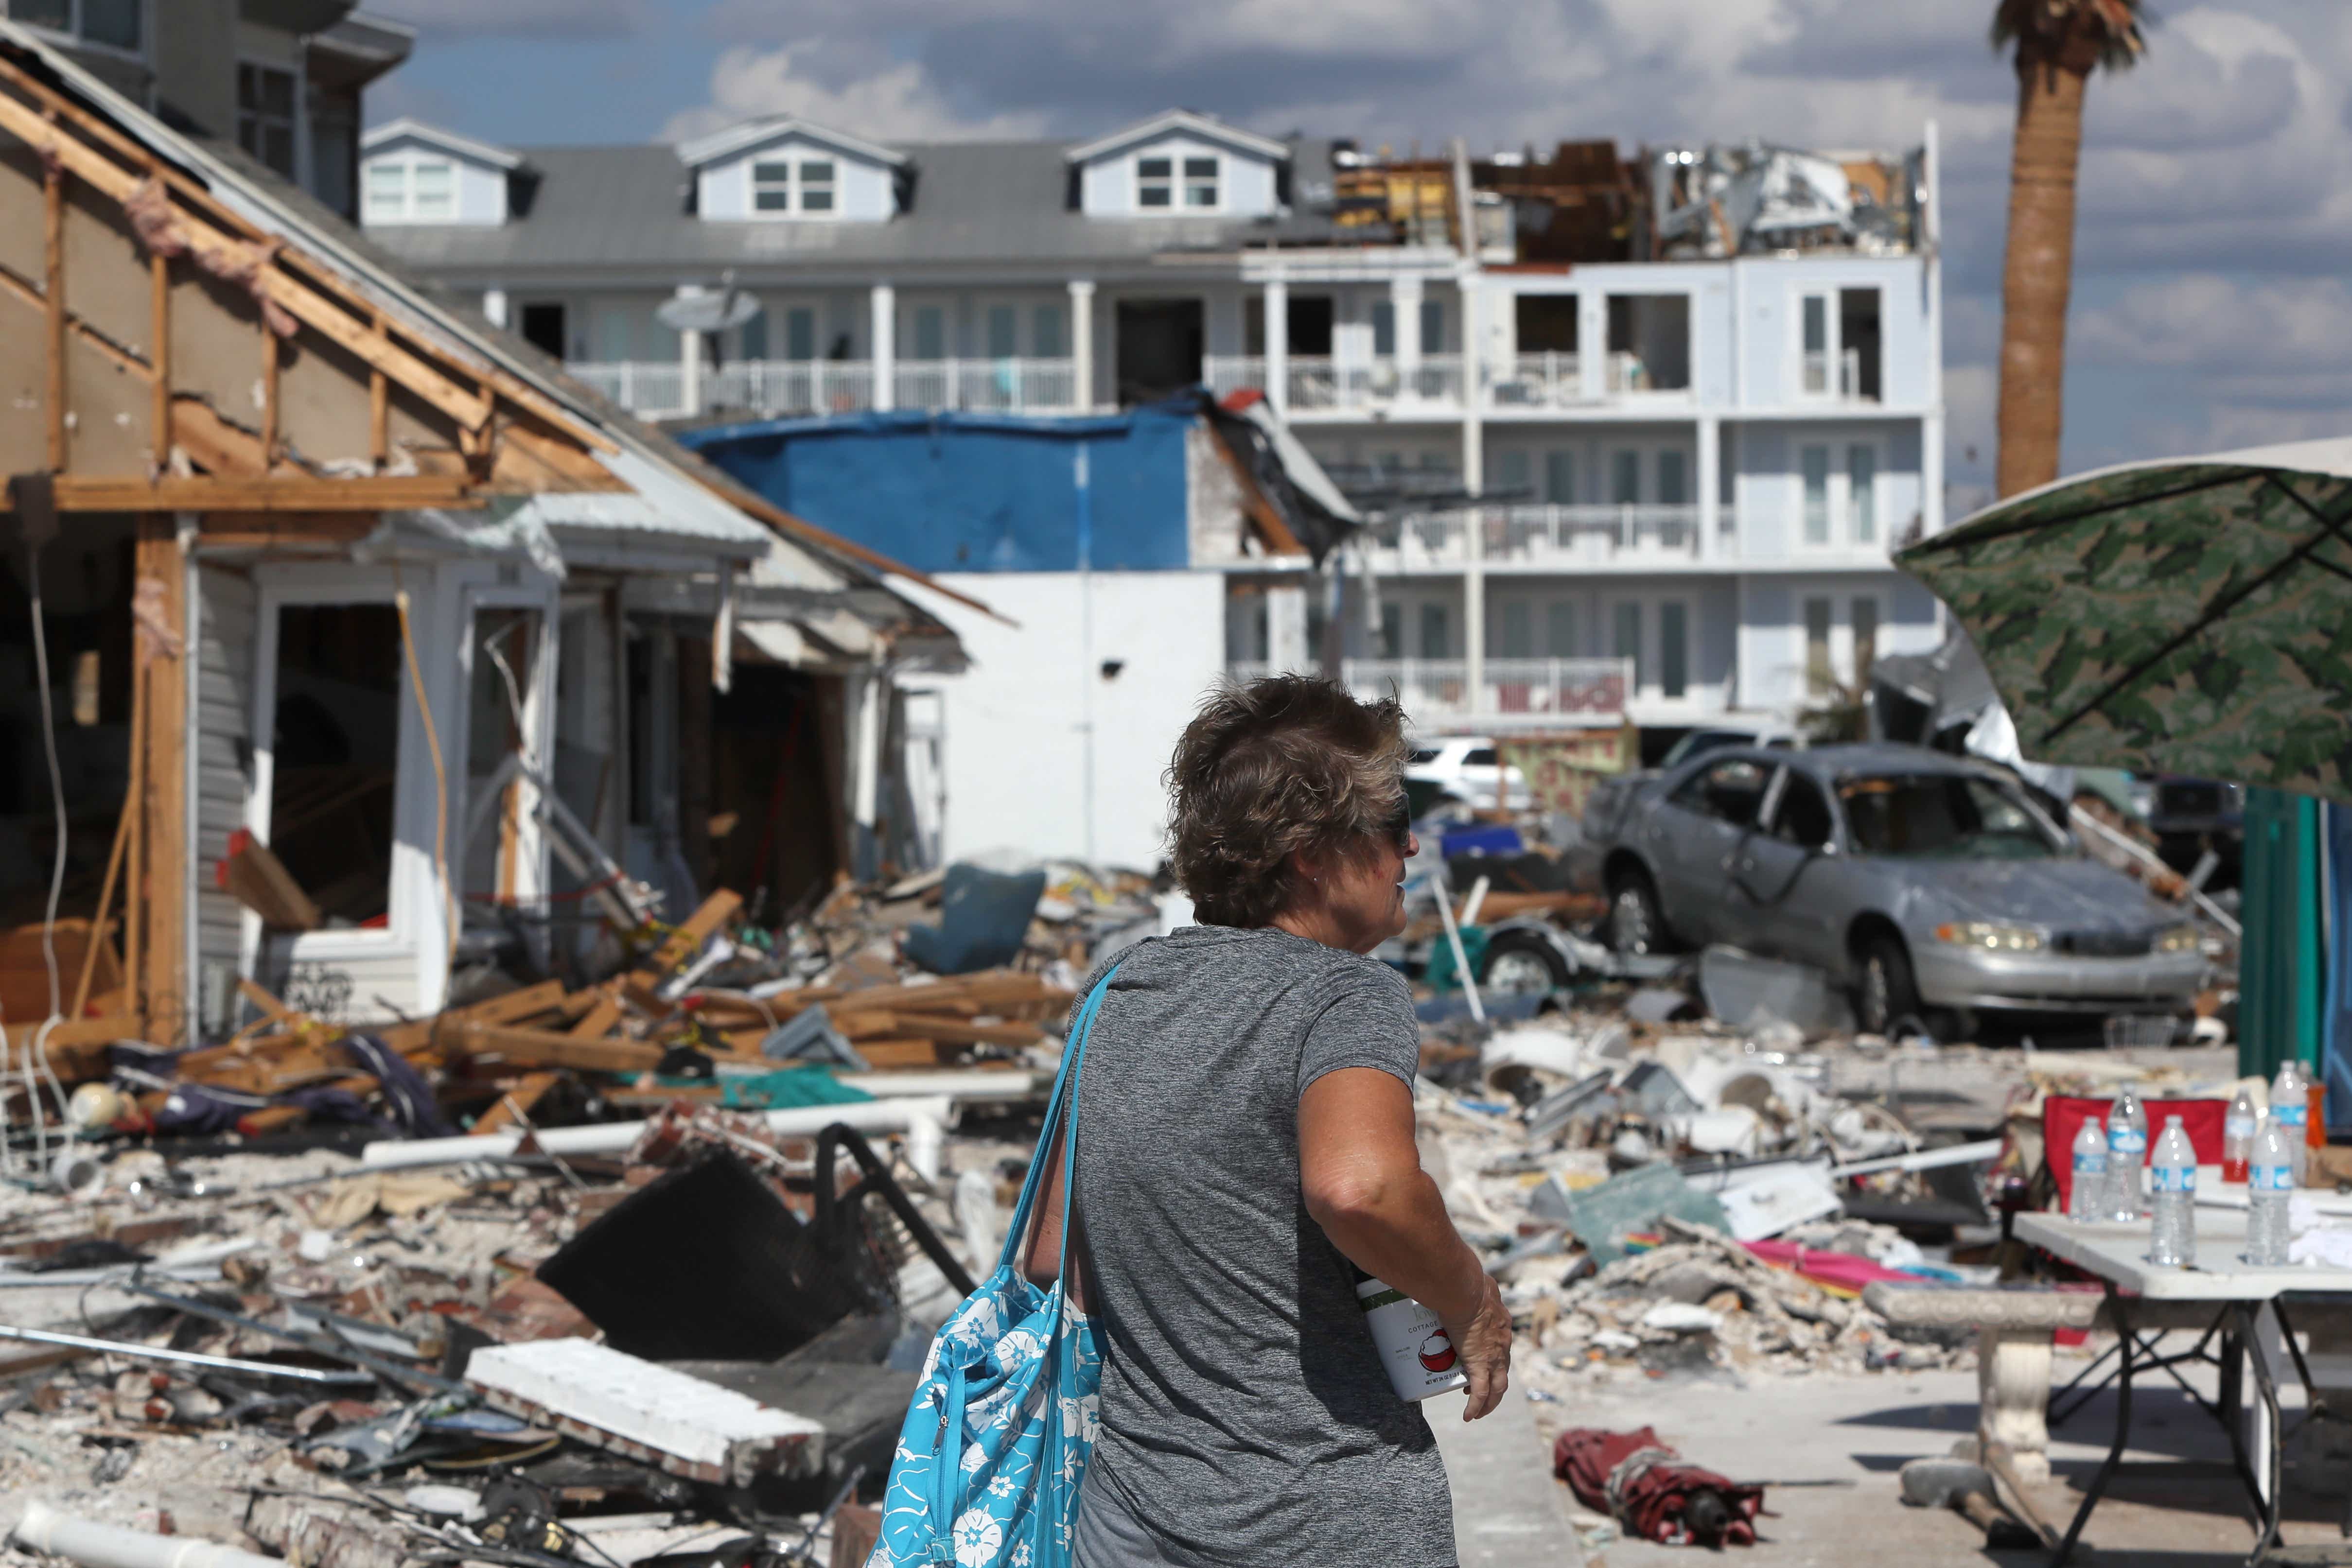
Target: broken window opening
505 646
335 751
1548 323
1649 342
1859 335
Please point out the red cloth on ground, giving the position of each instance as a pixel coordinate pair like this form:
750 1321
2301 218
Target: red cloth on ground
2063 1116
1645 1486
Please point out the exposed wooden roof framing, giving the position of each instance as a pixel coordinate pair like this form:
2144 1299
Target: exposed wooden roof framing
188 359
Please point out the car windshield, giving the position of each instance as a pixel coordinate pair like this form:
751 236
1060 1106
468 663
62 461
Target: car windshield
1942 815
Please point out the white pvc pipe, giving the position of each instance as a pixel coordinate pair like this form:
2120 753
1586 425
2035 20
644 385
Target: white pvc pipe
44 1529
929 1115
975 1085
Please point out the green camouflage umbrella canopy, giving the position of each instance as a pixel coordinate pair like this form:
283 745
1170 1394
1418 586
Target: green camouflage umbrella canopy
2192 616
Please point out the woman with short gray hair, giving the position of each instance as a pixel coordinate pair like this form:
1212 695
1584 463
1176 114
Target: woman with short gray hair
1247 1147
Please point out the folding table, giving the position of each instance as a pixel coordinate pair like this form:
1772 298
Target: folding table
2118 1255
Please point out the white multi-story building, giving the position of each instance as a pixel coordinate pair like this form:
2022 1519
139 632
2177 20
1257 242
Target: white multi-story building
1696 463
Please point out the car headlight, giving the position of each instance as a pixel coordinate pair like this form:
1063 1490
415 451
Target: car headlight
1991 937
2178 939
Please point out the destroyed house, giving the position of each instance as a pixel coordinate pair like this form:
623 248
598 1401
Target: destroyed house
355 644
1122 552
1660 412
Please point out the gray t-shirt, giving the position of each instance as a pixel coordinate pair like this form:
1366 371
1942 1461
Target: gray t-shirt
1246 1418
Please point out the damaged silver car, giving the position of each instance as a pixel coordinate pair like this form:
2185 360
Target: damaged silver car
1922 881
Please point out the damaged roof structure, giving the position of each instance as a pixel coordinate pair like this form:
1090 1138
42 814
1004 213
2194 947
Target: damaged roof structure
306 563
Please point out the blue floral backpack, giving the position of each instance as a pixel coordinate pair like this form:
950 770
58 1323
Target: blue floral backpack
1001 1426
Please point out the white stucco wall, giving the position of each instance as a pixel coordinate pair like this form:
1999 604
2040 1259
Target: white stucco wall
1015 744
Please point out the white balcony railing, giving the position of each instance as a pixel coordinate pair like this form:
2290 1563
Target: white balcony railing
790 386
1227 374
1317 382
1002 386
657 387
1539 535
1549 379
1566 691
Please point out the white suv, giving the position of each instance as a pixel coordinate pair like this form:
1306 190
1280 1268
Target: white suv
1467 768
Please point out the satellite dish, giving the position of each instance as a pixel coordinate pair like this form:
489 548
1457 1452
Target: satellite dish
716 311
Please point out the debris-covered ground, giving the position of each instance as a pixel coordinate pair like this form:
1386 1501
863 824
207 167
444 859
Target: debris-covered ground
602 1272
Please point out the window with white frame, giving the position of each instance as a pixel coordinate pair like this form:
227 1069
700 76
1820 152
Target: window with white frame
1436 637
1862 491
264 114
1865 636
1813 464
411 190
1155 183
808 186
1045 331
1559 476
771 185
1813 329
1201 183
1625 477
818 180
1674 649
1819 673
1673 477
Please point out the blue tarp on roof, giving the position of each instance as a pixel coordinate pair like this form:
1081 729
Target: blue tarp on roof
962 492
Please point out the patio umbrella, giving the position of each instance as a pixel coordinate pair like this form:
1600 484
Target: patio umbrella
2192 616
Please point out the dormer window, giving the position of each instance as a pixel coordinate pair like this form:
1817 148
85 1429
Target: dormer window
816 184
1155 182
1200 182
411 190
784 186
771 187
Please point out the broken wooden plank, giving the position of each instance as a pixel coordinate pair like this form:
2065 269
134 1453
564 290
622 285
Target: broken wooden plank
230 493
516 1103
544 1048
598 1020
259 880
697 928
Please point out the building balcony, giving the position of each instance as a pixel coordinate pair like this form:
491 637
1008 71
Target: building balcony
1511 692
1319 384
1534 383
656 388
1539 538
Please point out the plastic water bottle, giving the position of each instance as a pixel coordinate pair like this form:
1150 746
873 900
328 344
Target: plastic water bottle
2087 1198
2290 1105
2238 1136
2127 1152
2270 1190
2172 1238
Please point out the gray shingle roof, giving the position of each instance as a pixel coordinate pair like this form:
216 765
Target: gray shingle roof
625 209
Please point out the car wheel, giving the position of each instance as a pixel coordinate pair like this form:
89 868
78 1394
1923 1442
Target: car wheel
1636 928
1521 962
1886 993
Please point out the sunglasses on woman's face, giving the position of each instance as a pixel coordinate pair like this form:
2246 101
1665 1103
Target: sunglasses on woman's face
1400 826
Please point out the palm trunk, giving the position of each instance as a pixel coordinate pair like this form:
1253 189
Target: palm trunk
2038 273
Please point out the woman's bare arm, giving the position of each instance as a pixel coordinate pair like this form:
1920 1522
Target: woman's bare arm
1364 1185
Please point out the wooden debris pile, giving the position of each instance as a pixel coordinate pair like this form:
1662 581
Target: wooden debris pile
542 1051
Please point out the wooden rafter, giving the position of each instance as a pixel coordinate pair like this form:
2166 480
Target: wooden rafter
299 493
324 275
53 245
232 256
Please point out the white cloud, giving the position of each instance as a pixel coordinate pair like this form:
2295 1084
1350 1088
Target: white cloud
899 101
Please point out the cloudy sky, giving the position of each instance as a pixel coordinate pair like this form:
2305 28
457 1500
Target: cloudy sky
2211 306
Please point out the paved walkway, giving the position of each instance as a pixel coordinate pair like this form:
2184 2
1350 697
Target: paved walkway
1507 1508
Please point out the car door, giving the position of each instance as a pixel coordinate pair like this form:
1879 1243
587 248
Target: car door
1691 838
1783 900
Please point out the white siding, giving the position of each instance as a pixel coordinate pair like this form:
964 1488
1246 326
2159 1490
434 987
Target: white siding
1246 185
481 187
224 737
864 190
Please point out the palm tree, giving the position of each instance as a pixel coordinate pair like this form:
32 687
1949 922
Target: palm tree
2057 44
